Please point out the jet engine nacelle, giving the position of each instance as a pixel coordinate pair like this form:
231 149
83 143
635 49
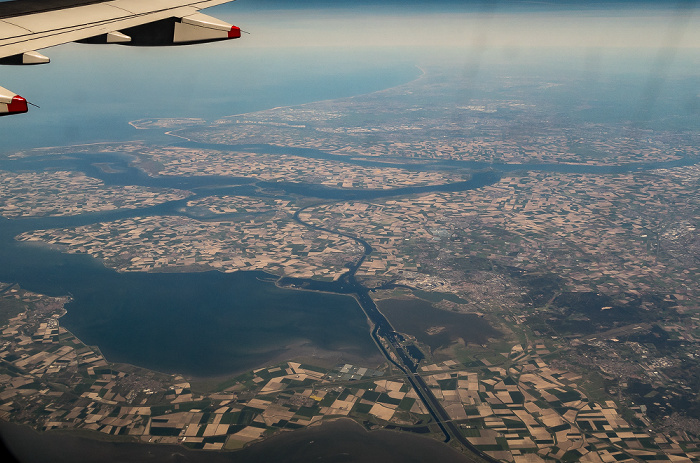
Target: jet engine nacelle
196 28
11 103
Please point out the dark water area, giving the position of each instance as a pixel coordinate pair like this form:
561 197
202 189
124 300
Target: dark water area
202 324
416 317
335 441
208 324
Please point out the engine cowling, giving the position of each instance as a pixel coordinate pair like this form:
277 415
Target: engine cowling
11 103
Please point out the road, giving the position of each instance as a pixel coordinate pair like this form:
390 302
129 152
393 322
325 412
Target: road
384 334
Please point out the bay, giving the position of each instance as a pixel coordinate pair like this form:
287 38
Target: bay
211 323
200 324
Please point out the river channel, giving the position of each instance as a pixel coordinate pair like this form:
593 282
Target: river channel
171 322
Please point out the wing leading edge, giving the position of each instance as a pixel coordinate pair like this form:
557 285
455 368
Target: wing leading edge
128 22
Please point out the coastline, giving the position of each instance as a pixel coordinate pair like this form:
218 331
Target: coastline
247 113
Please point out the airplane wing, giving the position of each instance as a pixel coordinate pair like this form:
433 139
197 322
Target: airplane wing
30 25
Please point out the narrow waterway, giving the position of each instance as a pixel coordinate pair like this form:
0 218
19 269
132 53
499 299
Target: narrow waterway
389 341
55 273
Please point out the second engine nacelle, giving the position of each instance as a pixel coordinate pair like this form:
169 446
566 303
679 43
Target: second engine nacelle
196 28
11 103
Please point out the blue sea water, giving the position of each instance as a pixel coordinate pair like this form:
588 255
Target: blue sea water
89 93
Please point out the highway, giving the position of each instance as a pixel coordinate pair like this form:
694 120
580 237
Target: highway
383 333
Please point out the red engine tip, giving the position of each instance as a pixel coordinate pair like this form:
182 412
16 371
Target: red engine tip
18 105
234 33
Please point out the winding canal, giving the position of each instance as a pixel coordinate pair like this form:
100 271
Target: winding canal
388 340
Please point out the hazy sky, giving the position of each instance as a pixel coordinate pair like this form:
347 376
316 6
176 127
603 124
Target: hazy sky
483 24
467 23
